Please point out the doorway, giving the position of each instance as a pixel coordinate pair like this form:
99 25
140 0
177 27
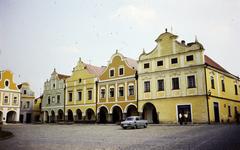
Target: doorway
216 112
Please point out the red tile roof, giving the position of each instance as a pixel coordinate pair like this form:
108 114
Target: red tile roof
212 63
63 76
131 62
94 69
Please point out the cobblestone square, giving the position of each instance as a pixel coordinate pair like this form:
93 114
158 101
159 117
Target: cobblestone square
111 137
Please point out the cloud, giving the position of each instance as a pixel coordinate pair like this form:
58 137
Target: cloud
141 15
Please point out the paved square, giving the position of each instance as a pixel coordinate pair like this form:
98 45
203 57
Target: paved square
100 137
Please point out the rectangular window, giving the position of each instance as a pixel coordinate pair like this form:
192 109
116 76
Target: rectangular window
174 60
160 63
236 89
161 85
120 71
90 95
111 92
15 100
5 99
121 91
212 83
58 98
146 65
189 58
79 95
131 90
70 97
191 81
111 73
175 83
229 111
28 104
24 91
53 99
223 86
147 86
103 93
49 100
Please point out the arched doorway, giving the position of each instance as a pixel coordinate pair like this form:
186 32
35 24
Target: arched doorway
70 115
79 114
103 115
1 116
90 115
132 111
60 115
11 117
116 114
150 113
52 116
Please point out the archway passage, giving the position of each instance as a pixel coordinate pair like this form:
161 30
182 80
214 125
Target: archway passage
70 115
150 113
79 114
132 111
1 116
52 116
46 117
60 115
103 115
11 117
116 114
90 115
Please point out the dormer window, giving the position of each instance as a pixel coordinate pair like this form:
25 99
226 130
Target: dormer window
189 58
146 65
174 61
111 73
120 71
54 86
25 92
80 80
5 99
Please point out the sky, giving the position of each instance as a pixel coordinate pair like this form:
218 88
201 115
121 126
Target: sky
37 36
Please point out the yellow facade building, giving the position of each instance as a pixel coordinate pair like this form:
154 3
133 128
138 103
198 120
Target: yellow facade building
117 90
81 93
36 112
9 98
174 84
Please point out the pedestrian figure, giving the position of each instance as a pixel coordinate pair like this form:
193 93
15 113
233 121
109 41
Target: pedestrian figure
185 117
180 118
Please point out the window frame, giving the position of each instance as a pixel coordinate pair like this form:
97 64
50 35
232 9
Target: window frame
172 60
191 56
173 83
193 81
160 88
147 86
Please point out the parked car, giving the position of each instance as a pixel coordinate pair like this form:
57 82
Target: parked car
134 122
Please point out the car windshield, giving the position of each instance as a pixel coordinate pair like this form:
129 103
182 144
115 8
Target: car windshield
129 119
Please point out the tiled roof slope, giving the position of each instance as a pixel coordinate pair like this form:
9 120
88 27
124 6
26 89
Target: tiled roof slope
131 62
94 69
63 76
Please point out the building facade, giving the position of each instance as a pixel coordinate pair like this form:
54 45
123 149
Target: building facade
9 98
53 98
81 92
37 111
117 90
223 90
26 103
174 83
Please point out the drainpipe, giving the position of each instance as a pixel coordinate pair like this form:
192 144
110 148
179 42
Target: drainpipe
136 77
96 101
207 96
64 103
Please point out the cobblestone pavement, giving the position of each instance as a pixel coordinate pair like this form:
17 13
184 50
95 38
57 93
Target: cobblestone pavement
108 137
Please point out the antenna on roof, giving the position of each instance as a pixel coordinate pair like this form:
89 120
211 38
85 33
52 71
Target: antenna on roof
165 29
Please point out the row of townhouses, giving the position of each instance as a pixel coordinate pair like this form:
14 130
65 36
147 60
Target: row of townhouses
174 80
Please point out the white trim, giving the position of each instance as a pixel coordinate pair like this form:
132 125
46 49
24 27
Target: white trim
181 105
109 72
111 109
119 67
117 79
126 107
117 102
80 105
98 109
52 107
